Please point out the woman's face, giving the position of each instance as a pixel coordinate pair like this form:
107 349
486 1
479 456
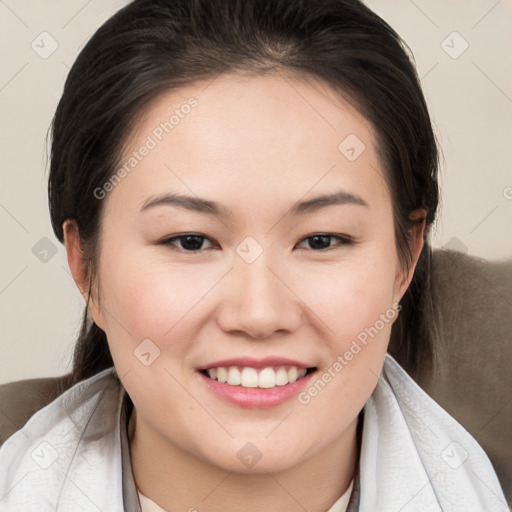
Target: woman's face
292 266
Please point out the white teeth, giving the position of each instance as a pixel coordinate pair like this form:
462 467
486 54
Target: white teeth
281 377
267 378
222 375
293 374
233 376
248 377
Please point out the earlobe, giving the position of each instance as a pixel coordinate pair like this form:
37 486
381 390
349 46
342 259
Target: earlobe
78 266
416 246
75 256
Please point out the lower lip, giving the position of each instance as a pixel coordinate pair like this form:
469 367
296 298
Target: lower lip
256 398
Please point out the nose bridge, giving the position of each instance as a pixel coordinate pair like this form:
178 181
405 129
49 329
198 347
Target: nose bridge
259 302
258 284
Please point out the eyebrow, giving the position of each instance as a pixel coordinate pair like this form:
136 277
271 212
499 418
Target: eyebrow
200 205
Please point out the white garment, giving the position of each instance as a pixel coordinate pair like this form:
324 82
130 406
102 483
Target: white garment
340 505
71 456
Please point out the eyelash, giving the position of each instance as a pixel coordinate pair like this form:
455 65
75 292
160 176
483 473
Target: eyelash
342 240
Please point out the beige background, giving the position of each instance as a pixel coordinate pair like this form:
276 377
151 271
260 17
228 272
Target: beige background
470 98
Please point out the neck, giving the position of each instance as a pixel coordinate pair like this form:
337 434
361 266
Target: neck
177 480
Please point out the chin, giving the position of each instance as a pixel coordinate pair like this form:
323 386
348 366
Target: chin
250 458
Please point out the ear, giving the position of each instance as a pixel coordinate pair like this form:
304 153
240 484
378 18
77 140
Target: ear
403 280
79 269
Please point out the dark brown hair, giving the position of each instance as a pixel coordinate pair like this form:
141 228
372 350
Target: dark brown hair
153 46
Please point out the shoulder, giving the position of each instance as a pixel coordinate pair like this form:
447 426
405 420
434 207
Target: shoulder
21 399
474 299
473 378
455 272
79 429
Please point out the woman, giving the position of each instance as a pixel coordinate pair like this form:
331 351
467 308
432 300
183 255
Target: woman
245 191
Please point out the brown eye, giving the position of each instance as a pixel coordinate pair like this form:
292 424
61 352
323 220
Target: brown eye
323 241
188 243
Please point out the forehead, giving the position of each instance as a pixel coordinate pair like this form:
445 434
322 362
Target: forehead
240 133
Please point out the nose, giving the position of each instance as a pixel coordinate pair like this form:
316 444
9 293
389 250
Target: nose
259 302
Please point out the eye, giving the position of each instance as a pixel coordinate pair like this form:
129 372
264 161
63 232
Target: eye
193 242
321 241
190 242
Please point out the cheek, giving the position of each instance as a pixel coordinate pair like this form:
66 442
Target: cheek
147 298
352 296
355 305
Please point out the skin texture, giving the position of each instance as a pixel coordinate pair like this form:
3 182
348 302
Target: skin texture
255 145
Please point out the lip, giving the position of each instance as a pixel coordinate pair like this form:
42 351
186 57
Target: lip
256 363
256 398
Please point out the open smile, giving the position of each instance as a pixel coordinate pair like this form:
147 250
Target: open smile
256 384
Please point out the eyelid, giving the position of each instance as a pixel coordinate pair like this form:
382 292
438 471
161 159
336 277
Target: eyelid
342 238
169 239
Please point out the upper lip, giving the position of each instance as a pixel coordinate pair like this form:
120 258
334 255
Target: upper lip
255 363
